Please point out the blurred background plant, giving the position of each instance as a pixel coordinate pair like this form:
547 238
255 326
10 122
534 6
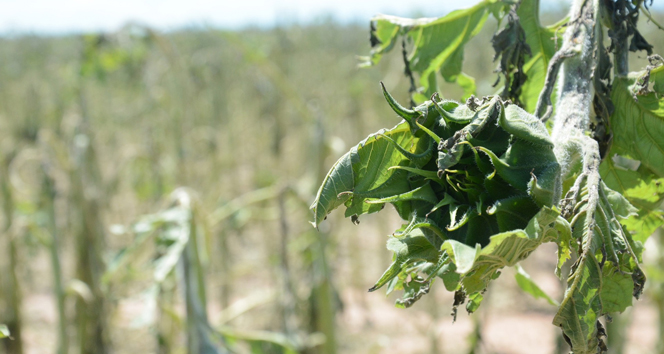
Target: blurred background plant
155 191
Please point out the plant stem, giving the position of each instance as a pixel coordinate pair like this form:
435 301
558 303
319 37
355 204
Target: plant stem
48 195
572 116
87 197
9 287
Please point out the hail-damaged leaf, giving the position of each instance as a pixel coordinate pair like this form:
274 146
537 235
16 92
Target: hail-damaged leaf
510 46
608 257
541 41
452 149
407 249
364 173
331 193
638 135
504 249
428 35
617 289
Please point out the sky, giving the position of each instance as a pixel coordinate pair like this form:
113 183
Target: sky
74 16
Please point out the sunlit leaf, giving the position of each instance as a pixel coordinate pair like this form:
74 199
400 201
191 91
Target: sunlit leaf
527 284
638 137
542 46
438 43
468 214
596 284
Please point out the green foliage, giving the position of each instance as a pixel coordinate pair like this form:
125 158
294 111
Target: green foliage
491 194
542 47
527 284
480 203
606 274
635 163
103 54
438 44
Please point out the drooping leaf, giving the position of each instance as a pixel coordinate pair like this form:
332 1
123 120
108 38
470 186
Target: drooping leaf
462 266
635 164
542 46
504 249
509 44
607 252
340 179
527 284
364 172
617 289
407 249
428 36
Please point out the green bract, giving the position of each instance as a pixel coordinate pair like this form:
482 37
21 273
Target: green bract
474 183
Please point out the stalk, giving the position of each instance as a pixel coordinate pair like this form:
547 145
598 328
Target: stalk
325 308
87 190
10 291
48 204
433 310
575 60
287 293
167 329
572 118
198 327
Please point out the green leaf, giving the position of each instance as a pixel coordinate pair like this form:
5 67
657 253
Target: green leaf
525 126
527 284
261 341
522 158
635 164
484 214
542 46
429 35
504 249
617 289
424 193
607 253
4 331
638 126
407 249
513 211
657 77
581 307
467 83
364 172
340 179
